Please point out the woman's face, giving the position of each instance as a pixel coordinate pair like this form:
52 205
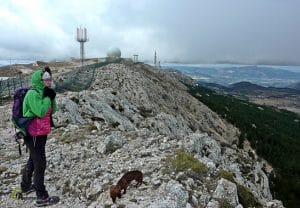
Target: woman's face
47 82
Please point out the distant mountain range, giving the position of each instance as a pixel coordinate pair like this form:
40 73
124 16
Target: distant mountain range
248 88
229 74
283 98
295 86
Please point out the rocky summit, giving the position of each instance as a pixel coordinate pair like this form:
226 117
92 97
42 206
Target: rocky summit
136 117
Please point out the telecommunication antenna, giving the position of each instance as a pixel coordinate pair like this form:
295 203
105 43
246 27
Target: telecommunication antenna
155 64
82 38
135 58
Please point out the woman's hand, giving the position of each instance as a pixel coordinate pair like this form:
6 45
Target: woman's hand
49 92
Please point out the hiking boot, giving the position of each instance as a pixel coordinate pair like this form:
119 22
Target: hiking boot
47 201
29 190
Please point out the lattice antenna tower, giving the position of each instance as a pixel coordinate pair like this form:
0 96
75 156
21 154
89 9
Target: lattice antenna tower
82 38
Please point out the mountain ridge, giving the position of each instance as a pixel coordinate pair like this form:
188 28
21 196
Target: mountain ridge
135 117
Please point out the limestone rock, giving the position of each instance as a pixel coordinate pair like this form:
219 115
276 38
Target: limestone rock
226 190
274 204
112 143
172 195
204 146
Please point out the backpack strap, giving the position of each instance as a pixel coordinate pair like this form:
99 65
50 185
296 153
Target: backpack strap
18 138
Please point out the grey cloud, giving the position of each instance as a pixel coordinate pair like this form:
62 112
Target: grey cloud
195 30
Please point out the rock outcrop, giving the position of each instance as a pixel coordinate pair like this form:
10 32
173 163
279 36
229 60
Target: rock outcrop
136 117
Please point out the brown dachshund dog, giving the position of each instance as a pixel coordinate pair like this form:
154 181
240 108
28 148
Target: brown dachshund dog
123 183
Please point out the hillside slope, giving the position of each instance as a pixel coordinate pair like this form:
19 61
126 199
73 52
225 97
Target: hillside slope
136 117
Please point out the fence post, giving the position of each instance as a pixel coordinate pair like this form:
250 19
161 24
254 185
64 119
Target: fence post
8 87
20 80
14 84
1 90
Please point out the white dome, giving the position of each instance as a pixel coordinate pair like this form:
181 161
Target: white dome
114 52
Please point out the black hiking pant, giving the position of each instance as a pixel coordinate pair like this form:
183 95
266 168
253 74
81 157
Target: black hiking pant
35 166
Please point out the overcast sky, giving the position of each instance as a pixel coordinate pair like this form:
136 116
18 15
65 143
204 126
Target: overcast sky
198 31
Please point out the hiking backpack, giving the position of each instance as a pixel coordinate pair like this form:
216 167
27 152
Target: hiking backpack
21 123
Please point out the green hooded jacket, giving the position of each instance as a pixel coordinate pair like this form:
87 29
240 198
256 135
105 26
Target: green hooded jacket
34 104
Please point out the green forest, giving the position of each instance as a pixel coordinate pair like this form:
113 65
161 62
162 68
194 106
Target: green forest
273 133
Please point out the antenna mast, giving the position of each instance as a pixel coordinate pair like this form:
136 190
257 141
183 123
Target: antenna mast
155 64
135 58
82 38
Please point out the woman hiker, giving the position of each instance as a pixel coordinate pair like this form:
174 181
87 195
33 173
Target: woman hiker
40 103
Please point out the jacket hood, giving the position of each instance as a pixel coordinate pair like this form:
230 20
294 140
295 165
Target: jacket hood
36 80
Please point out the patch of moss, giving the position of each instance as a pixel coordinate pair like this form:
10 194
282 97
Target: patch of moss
91 127
5 100
66 139
98 173
224 203
226 175
184 160
245 169
166 171
145 112
66 187
244 160
10 157
72 138
246 198
251 155
2 169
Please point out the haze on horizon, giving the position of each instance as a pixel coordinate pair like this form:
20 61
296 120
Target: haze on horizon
199 31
